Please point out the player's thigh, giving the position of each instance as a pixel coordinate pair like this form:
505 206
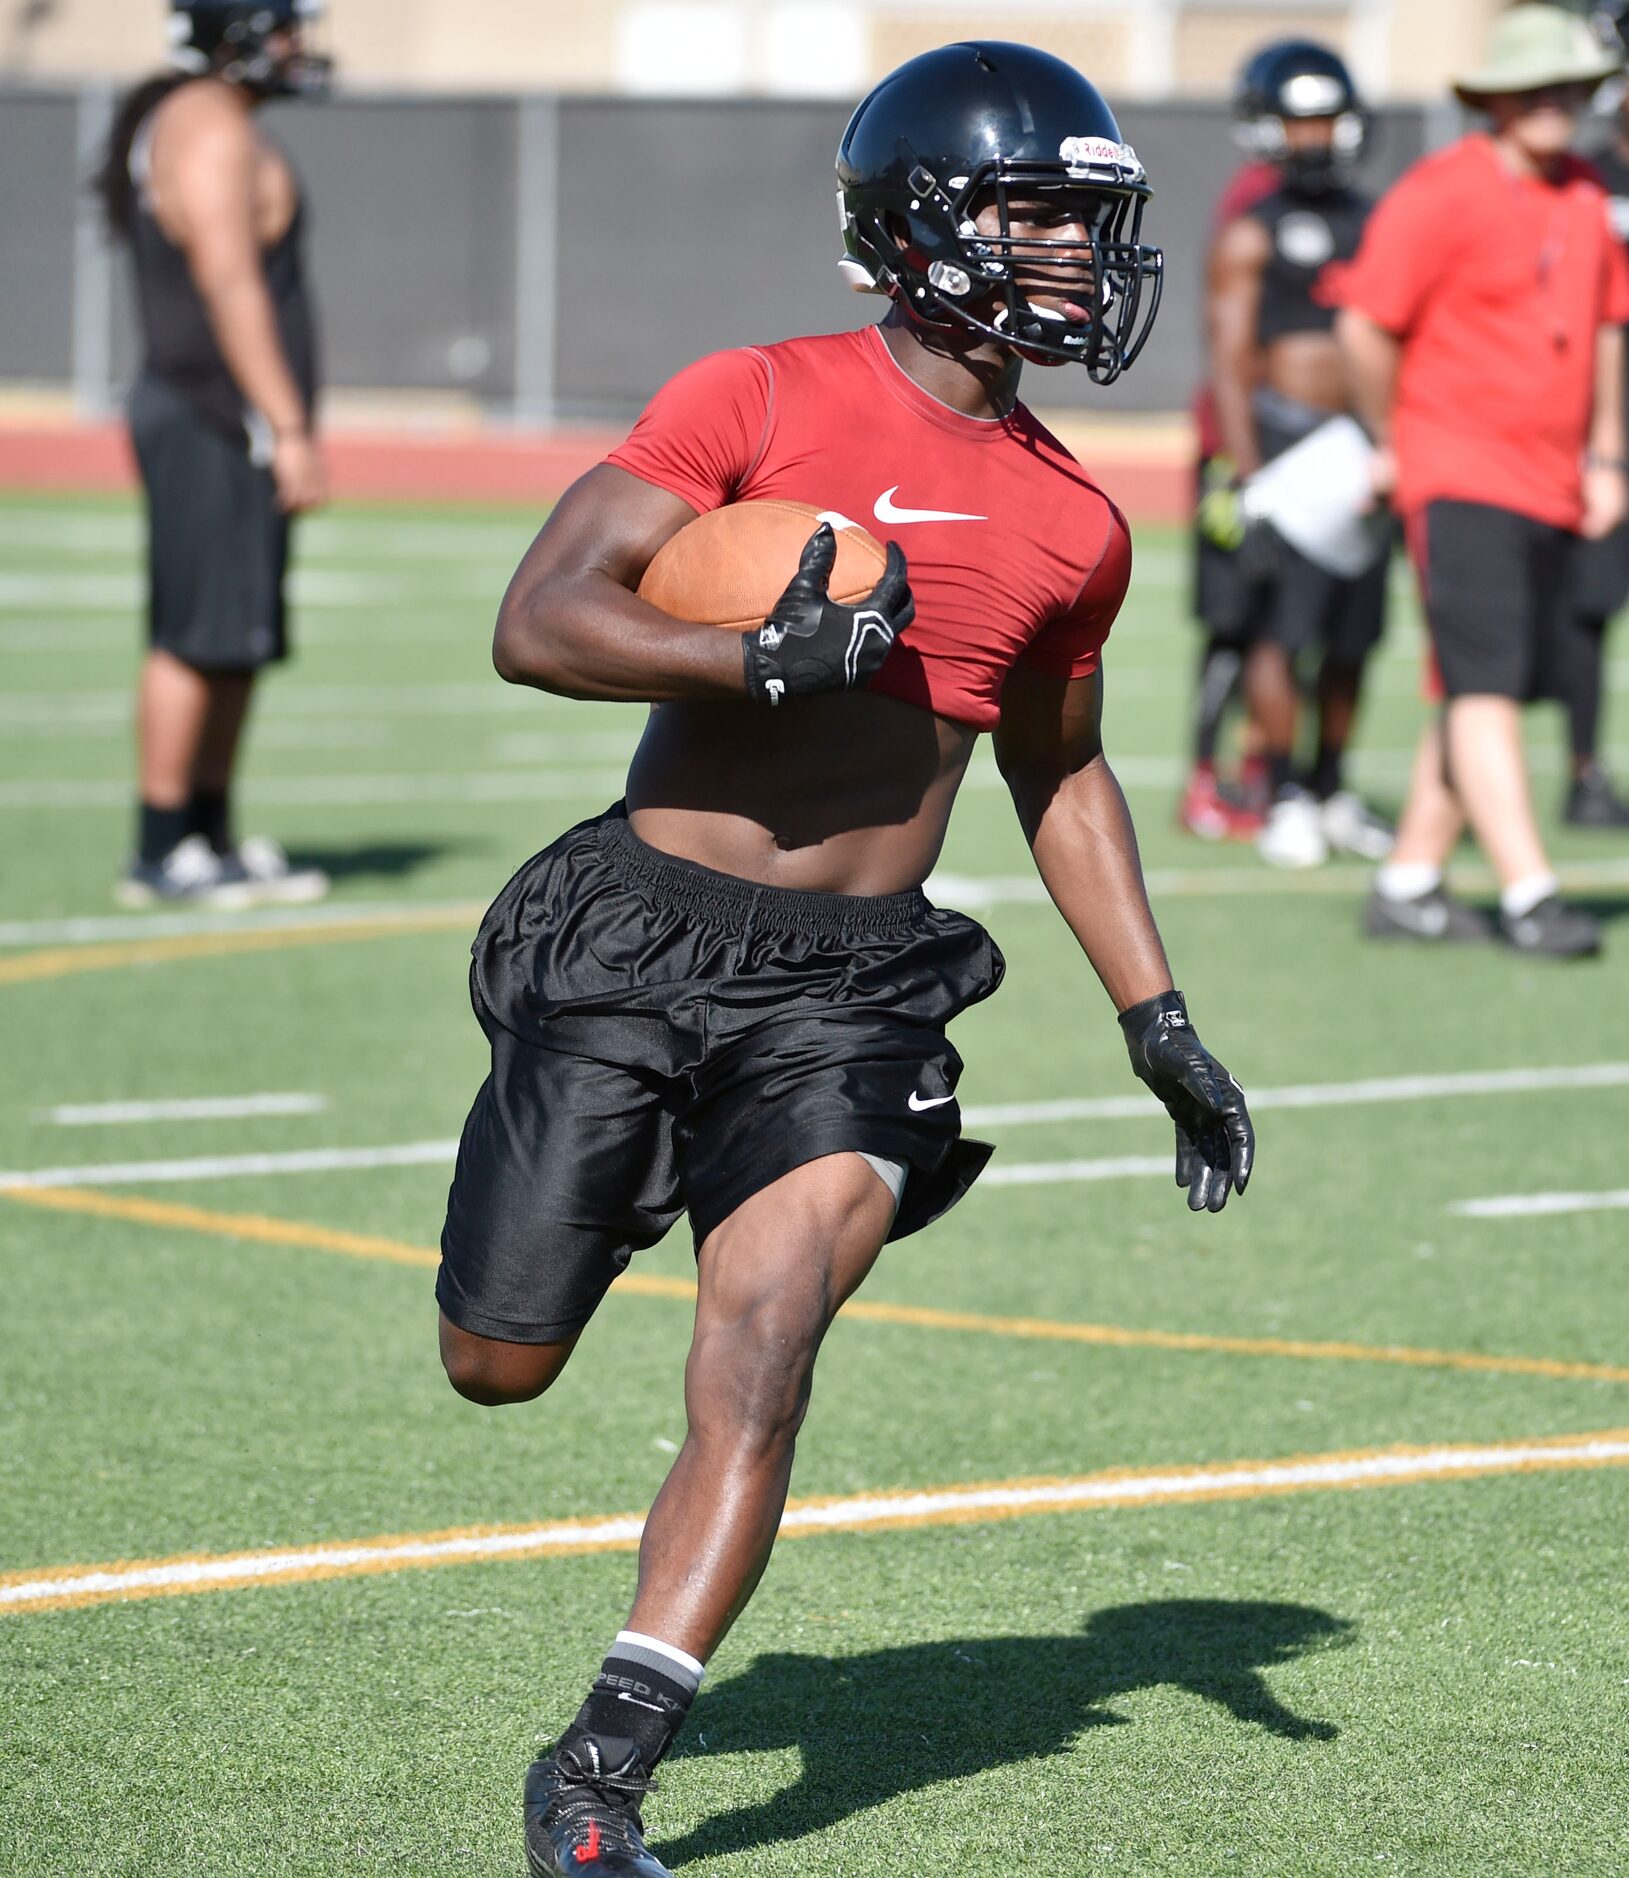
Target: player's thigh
771 1278
565 1169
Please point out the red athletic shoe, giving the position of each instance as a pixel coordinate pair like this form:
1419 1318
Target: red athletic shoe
1204 811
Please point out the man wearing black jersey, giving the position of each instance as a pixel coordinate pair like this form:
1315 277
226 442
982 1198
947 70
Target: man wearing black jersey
221 418
1277 375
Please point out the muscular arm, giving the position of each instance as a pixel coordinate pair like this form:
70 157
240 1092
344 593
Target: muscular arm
204 160
1049 746
1238 260
571 622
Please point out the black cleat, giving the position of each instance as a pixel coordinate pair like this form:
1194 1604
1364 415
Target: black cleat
1592 802
1433 917
582 1811
1553 930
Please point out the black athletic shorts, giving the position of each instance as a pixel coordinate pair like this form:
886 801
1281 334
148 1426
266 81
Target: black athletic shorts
1492 581
1600 575
1303 605
217 543
668 1039
1266 589
1227 597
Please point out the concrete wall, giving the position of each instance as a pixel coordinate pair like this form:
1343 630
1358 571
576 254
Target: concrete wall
558 257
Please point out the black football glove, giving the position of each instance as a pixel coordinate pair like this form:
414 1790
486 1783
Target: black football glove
1215 1144
809 643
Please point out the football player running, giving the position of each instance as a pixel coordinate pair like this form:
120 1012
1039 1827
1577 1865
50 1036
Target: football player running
727 996
1276 376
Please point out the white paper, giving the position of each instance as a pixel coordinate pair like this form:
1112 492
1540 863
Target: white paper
1319 496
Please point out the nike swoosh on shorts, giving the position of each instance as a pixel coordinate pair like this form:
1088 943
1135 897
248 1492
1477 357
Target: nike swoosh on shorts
885 511
927 1102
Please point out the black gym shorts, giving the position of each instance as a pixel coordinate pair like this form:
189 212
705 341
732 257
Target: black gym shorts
1492 581
668 1039
217 542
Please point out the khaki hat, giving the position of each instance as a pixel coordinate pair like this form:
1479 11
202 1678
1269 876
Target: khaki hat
1535 45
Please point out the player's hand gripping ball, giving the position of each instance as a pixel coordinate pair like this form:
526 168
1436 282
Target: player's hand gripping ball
1215 1143
816 611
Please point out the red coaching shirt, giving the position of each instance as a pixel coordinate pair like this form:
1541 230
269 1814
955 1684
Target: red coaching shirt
1497 285
1014 553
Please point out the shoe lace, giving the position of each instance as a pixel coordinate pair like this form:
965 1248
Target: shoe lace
605 1799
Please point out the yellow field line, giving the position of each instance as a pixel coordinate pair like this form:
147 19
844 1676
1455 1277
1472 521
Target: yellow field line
62 961
269 1231
66 1587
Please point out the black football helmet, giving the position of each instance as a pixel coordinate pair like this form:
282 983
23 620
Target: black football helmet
983 124
1299 78
229 38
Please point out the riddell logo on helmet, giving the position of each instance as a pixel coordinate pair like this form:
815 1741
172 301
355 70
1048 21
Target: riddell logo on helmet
1089 153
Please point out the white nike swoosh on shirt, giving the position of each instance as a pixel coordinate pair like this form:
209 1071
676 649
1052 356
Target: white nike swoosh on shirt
885 511
927 1102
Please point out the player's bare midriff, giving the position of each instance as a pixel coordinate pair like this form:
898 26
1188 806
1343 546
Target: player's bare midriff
845 793
1308 368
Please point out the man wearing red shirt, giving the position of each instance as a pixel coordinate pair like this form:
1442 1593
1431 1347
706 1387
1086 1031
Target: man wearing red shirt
728 995
1482 324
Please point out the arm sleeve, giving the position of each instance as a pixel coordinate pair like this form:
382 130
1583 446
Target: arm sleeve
704 432
1071 644
1404 253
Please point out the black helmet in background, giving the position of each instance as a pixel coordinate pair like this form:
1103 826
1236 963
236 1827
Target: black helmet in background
983 123
1298 78
235 39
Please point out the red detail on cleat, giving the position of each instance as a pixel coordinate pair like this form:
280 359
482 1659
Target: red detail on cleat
592 1850
1206 812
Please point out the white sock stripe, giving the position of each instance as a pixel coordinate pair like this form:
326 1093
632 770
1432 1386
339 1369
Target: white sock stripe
637 1638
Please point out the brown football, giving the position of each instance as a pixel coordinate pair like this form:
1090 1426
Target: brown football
729 566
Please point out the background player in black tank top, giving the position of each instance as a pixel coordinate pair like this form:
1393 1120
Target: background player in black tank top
1276 374
221 416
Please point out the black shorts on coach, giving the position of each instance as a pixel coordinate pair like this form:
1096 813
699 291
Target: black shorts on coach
217 539
1493 582
668 1039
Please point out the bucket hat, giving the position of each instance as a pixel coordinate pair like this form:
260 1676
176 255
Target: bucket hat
1535 45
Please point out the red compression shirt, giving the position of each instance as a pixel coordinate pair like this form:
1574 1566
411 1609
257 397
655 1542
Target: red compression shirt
1496 285
1014 553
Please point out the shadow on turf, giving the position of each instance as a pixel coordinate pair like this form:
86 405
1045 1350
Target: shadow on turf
888 1722
380 860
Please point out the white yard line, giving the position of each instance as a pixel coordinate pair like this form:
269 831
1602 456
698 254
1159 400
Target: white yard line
57 590
229 1166
56 1587
97 929
1539 1205
1056 1173
526 784
1315 1095
183 1109
1016 1174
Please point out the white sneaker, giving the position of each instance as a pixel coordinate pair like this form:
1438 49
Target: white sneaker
1294 835
272 881
1351 827
191 874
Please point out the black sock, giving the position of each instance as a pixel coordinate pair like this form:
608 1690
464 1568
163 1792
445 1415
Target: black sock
209 813
159 832
1280 774
1326 772
641 1695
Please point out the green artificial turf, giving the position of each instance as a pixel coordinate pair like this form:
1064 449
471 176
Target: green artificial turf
1425 1678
